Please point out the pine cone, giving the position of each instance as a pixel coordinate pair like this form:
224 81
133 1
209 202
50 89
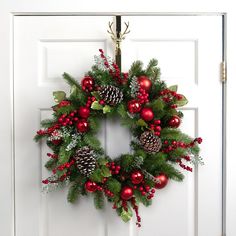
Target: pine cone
85 160
111 94
150 142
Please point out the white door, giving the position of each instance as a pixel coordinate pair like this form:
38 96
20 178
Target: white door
189 52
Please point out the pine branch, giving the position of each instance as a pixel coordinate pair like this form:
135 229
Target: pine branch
70 80
151 66
47 123
113 185
51 164
99 200
92 141
73 193
136 68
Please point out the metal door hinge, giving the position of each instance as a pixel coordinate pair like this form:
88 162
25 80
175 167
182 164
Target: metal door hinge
223 72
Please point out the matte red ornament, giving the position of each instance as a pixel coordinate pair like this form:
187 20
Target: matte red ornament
134 106
84 112
126 193
82 126
174 122
163 180
144 82
137 177
87 83
147 114
91 186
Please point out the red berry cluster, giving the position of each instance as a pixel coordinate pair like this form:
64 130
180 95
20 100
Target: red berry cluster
65 119
185 167
170 96
172 145
114 169
143 96
145 190
64 103
155 126
53 156
49 130
121 78
135 207
90 101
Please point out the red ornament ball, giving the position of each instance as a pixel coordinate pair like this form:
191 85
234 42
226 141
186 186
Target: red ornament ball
163 180
91 186
87 83
137 177
147 114
82 126
126 193
144 82
174 122
134 106
84 112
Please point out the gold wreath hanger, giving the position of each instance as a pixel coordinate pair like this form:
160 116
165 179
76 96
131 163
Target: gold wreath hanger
117 37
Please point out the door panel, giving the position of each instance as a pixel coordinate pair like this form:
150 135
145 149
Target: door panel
189 53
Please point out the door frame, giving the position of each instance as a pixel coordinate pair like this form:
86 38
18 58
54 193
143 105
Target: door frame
7 139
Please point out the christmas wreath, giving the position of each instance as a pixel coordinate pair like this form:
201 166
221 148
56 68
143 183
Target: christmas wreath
147 107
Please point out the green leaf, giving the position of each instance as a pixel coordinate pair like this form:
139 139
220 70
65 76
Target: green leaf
105 171
74 91
96 95
59 96
102 161
96 176
182 102
142 123
106 109
173 88
158 105
126 215
96 106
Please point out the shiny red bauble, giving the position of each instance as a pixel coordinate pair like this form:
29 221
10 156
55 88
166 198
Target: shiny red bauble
126 193
134 106
91 186
144 82
162 181
82 126
87 83
137 177
84 112
174 122
147 114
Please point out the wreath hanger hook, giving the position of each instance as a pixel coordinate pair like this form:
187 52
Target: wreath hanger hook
118 36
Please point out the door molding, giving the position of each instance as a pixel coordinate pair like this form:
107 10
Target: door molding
9 156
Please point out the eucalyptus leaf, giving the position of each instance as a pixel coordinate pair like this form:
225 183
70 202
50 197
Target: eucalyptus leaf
182 102
96 106
106 109
126 215
59 96
173 88
142 123
105 171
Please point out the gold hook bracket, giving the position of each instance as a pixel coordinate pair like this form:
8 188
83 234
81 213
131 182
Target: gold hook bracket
118 37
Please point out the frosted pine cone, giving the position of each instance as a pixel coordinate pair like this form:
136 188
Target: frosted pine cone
150 142
85 160
111 94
